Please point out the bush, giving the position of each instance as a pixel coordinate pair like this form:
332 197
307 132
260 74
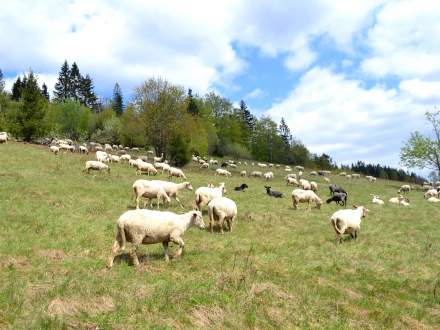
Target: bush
179 150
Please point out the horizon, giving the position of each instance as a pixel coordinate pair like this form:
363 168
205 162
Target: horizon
351 80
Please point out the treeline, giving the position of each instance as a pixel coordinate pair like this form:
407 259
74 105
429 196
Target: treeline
384 172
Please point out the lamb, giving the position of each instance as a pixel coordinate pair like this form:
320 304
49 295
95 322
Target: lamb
150 227
54 149
256 174
348 221
177 172
377 200
268 176
83 150
292 181
242 187
273 193
433 200
339 198
303 196
221 209
305 184
243 173
222 172
150 190
204 194
404 189
4 137
101 156
145 167
431 193
96 166
172 189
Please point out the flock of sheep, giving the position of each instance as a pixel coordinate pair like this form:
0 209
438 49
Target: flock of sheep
146 226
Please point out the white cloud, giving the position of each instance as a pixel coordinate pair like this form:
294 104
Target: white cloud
336 115
256 93
422 90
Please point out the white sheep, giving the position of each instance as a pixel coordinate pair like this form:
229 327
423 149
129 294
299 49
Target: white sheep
348 221
172 189
204 165
158 159
291 181
431 193
150 227
326 179
96 166
108 147
268 176
162 166
343 174
261 165
305 196
299 168
305 184
314 173
65 146
370 178
377 200
243 173
145 167
205 194
222 172
125 157
149 190
177 172
404 188
313 186
233 165
433 200
256 174
355 175
221 209
114 159
399 200
83 150
132 162
54 149
101 156
4 137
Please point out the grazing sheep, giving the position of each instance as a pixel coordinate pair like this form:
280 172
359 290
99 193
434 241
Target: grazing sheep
96 166
313 186
125 157
145 167
114 159
261 165
268 176
54 149
273 193
348 176
290 175
149 190
370 178
221 209
4 137
433 200
101 156
204 165
339 198
431 193
205 194
83 150
242 187
305 184
256 174
292 181
132 162
233 165
348 222
150 227
343 174
224 165
313 173
172 189
305 196
222 172
243 173
299 168
334 189
213 161
162 166
108 147
326 179
355 175
377 200
65 146
406 188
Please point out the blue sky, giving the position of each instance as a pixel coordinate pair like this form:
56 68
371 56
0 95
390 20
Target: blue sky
352 79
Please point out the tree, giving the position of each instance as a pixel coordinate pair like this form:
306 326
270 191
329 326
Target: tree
62 89
2 82
16 89
192 105
285 134
32 109
44 92
117 104
422 151
178 150
86 93
74 82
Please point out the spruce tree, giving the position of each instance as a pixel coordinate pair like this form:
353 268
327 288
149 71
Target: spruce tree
87 96
62 87
117 104
16 90
74 82
285 134
2 82
192 105
44 92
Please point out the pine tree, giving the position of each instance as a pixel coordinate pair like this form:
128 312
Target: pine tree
284 132
62 87
192 105
2 82
87 96
16 90
74 82
44 92
117 104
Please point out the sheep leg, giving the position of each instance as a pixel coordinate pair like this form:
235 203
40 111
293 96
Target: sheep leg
178 201
221 220
116 247
165 250
134 256
231 223
178 241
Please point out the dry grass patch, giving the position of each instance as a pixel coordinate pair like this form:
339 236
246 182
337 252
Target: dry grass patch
205 317
53 254
18 262
73 306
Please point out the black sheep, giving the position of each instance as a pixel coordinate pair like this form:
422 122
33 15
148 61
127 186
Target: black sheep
272 193
224 165
339 198
335 189
242 187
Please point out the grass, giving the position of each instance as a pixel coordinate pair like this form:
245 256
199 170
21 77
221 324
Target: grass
280 268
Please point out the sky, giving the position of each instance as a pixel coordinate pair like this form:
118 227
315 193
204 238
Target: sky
351 78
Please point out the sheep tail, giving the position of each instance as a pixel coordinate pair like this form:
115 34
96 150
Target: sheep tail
335 225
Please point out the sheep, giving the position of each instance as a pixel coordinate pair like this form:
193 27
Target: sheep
433 200
132 162
242 187
224 165
261 165
299 168
150 190
163 166
222 172
4 137
334 189
115 147
200 160
288 169
177 172
399 200
339 198
313 173
221 209
114 159
313 186
233 165
270 165
300 173
302 196
370 178
108 147
195 159
83 150
291 181
65 146
150 227
96 166
243 173
348 222
268 176
145 167
431 193
348 176
305 184
125 157
150 152
343 174
101 156
326 179
404 189
54 149
377 200
256 174
135 149
273 193
158 159
205 194
213 161
204 165
356 176
290 175
172 189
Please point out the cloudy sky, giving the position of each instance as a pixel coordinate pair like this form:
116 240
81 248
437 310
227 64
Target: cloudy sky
351 78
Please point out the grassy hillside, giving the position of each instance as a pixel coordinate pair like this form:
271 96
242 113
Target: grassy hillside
280 268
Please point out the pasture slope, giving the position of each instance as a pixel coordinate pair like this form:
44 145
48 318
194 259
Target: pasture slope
280 268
